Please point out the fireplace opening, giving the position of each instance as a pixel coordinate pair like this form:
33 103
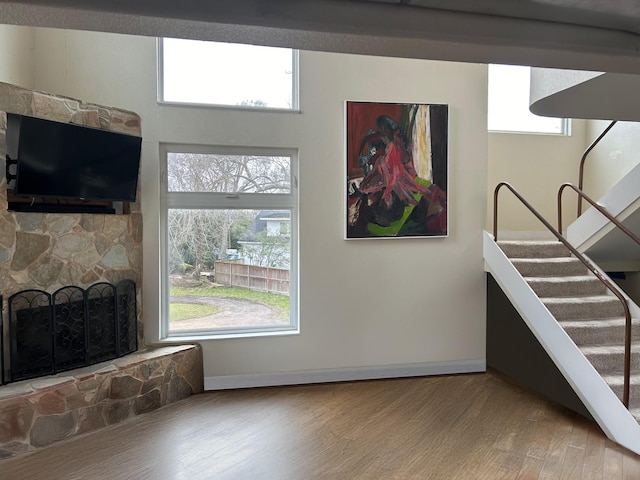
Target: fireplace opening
71 328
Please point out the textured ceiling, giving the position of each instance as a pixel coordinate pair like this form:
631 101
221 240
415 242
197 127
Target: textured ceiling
601 35
623 15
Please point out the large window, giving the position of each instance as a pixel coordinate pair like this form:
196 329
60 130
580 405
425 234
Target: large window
243 76
230 241
508 109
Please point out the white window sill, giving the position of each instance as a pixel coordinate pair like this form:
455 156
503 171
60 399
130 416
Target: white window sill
238 108
205 335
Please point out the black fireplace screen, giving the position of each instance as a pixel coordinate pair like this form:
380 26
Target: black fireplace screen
71 328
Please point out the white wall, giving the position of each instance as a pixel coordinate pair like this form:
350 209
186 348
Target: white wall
536 166
16 55
362 303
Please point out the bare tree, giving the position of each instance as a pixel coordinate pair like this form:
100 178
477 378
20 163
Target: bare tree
268 250
190 172
199 237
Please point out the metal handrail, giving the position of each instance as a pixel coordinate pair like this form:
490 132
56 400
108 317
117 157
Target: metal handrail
587 263
584 157
595 205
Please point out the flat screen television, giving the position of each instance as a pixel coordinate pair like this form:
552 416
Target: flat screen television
69 161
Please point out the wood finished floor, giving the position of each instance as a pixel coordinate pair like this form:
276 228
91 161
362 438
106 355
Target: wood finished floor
450 427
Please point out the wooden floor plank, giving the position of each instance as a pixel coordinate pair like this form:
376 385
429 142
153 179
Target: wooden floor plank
630 467
576 451
556 455
450 427
592 468
612 468
531 468
573 462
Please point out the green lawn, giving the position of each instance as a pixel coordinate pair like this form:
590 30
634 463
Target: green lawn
187 311
280 303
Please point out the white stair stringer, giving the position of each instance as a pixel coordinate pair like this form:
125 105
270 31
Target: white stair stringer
594 234
599 399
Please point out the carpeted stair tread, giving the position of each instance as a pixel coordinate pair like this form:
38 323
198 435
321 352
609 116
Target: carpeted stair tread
608 349
533 248
549 267
567 286
579 308
635 412
563 278
616 383
614 380
600 331
587 299
609 359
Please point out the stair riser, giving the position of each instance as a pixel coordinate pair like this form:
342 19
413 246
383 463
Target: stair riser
570 267
584 310
567 288
534 250
614 335
634 394
612 363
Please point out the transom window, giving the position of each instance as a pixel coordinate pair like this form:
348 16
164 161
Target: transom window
229 241
213 73
508 108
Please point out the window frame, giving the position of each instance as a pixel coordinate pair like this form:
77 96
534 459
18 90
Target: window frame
221 200
295 87
565 125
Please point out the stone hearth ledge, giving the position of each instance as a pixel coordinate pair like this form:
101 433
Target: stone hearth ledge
36 413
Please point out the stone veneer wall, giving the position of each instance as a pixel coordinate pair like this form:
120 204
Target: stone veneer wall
49 251
37 413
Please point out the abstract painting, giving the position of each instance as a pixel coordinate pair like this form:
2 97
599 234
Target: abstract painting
396 159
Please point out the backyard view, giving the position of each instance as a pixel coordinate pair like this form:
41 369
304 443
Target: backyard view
211 306
228 266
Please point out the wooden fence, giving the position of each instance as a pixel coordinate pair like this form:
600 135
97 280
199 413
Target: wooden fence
253 277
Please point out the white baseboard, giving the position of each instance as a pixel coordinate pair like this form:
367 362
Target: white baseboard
226 382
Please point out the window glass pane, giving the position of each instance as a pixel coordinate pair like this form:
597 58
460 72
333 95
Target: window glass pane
227 74
195 172
228 269
508 109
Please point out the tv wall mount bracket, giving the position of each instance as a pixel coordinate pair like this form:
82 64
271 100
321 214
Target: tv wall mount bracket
9 163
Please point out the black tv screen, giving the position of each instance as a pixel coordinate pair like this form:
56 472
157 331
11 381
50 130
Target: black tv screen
69 161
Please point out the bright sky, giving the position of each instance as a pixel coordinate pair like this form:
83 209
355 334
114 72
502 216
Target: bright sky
509 102
226 74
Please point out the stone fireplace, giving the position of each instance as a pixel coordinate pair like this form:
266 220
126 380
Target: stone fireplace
49 251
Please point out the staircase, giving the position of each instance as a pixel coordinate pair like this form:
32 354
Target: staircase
587 311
